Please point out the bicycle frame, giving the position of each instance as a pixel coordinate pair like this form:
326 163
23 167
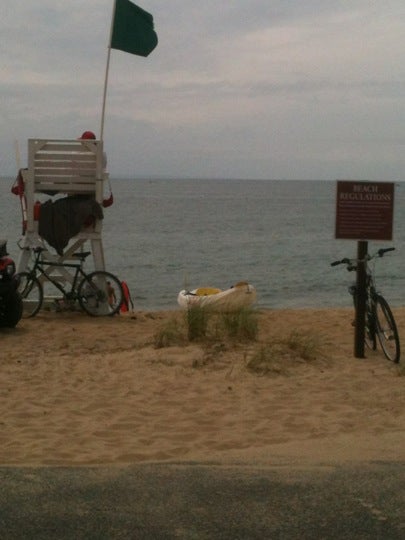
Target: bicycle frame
371 291
40 266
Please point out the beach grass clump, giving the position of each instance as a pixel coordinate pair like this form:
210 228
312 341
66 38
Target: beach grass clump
306 345
241 325
280 355
207 326
268 359
197 319
168 335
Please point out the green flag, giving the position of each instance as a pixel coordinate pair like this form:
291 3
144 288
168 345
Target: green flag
132 30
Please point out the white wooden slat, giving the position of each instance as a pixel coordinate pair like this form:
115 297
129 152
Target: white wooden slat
49 178
64 146
65 180
64 188
63 171
65 177
68 158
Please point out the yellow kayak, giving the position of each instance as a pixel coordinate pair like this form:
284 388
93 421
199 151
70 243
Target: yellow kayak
241 295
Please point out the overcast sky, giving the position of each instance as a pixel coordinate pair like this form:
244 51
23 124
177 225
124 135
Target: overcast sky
296 89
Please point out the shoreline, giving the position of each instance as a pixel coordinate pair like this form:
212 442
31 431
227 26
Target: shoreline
82 391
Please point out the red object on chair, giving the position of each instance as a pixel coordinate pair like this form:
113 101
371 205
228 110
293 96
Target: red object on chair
37 210
108 202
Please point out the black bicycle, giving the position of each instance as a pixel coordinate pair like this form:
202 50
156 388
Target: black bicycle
379 320
98 293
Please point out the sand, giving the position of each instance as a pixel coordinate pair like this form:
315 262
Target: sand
76 390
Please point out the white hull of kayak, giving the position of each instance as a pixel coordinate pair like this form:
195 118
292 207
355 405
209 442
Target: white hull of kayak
240 296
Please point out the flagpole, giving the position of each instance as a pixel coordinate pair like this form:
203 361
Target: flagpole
107 68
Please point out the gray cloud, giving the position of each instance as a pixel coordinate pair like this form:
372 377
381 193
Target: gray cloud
280 89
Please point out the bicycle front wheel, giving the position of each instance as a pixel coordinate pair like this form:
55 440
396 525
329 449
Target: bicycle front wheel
387 330
100 294
31 293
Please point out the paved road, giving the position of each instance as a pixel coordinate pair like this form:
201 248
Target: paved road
203 502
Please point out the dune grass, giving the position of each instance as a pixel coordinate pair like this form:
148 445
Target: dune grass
170 334
197 319
241 325
278 356
217 333
202 325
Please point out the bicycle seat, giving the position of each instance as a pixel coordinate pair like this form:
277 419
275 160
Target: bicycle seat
81 255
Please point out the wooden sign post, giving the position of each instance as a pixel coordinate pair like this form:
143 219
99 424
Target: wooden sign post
360 299
364 211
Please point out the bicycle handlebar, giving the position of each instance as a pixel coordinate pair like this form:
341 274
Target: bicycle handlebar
342 261
351 263
384 250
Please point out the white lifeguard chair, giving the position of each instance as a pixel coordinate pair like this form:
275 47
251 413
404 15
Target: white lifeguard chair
63 167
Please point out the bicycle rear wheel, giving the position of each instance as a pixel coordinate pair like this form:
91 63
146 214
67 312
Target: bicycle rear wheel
100 294
31 293
387 330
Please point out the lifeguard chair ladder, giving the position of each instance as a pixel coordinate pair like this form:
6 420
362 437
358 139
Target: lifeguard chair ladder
70 167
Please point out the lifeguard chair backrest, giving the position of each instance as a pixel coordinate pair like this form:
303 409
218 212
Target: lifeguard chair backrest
65 166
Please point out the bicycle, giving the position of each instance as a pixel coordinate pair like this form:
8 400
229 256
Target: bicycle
99 293
379 320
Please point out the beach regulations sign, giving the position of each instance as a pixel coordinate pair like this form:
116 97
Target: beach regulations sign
364 210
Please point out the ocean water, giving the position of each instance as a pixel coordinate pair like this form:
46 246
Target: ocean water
165 235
